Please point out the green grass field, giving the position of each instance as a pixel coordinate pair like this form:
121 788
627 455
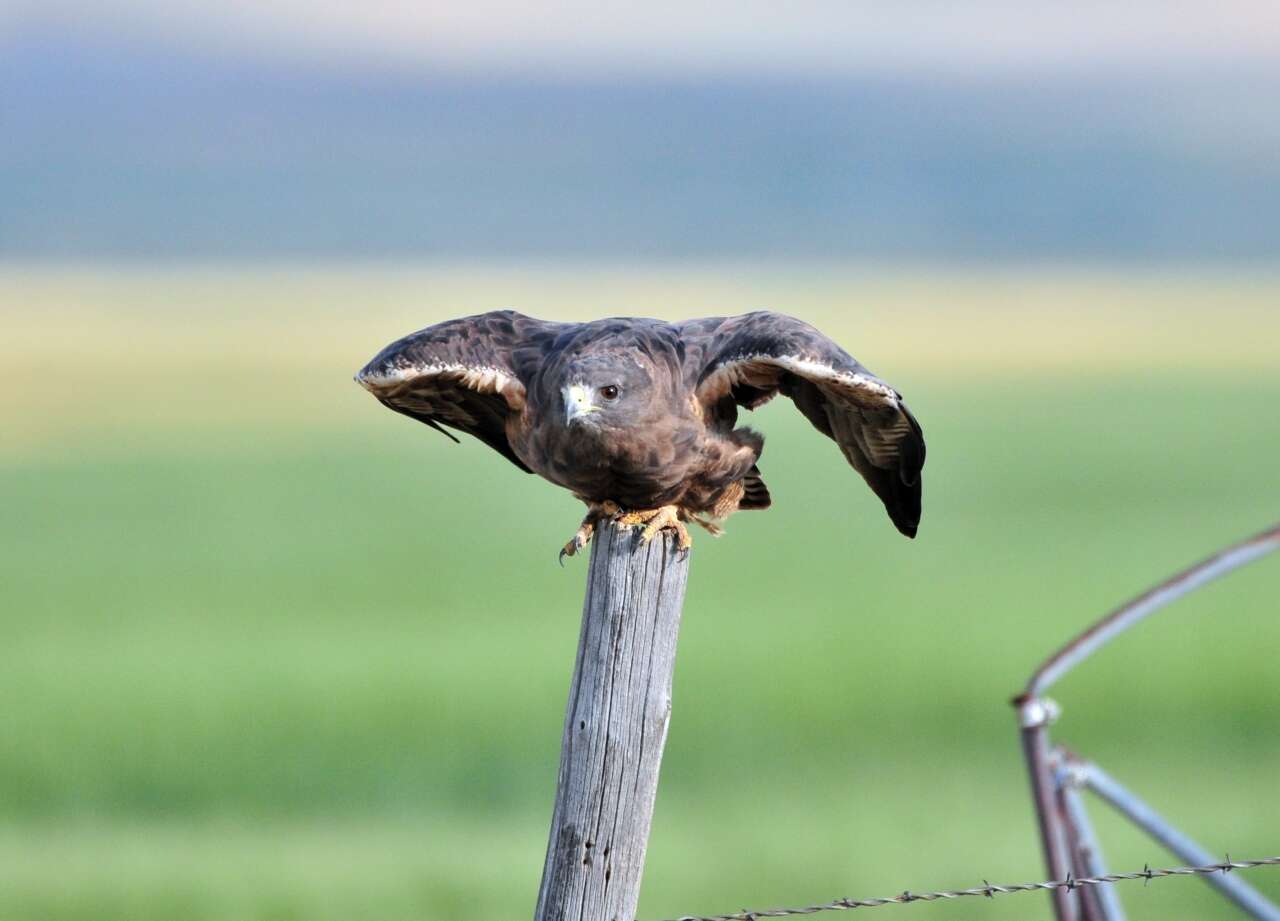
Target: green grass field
272 652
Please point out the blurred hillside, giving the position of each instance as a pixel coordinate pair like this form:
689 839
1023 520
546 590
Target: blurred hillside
135 148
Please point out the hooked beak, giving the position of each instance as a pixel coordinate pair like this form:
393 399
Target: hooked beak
577 403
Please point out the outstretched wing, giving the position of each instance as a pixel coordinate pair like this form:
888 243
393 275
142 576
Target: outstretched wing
464 374
751 358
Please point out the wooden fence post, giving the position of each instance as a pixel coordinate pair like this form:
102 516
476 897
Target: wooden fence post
614 728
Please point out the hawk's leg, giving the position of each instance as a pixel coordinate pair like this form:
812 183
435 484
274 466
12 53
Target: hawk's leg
596 512
711 527
655 520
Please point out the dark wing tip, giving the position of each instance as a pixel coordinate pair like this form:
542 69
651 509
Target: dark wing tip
906 494
904 507
901 500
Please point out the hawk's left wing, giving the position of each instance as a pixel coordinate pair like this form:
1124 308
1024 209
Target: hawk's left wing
748 359
464 374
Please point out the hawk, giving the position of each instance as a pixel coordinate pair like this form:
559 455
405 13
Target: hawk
638 417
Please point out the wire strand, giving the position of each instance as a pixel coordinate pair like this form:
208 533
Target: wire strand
989 890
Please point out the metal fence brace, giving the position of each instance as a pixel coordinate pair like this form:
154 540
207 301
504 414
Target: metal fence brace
1139 813
1066 835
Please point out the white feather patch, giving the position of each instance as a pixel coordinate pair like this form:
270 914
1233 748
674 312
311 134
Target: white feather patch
481 380
739 370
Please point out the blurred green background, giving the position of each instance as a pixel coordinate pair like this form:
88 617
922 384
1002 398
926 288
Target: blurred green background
269 652
273 652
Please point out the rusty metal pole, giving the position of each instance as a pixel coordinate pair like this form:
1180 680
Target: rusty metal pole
1097 903
1035 716
1036 711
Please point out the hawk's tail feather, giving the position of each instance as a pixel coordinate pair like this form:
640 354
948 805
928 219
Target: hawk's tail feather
756 494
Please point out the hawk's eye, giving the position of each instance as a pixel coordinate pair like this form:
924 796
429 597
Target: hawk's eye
609 393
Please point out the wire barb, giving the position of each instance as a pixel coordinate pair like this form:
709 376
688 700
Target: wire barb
988 890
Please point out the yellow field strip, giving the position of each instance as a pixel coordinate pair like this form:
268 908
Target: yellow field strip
147 347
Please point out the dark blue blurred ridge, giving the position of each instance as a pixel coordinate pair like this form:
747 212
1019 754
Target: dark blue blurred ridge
113 151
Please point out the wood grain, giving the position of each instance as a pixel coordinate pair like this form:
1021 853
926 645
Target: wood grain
615 728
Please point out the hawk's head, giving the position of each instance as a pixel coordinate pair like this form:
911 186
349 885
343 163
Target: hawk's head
607 390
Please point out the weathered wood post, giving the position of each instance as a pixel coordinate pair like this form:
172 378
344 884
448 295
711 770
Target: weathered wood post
614 728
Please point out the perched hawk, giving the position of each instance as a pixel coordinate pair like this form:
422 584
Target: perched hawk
637 416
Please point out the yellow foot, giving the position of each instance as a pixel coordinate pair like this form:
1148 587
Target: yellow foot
655 520
596 512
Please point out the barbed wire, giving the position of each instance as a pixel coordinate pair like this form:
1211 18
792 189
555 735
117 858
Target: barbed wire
990 890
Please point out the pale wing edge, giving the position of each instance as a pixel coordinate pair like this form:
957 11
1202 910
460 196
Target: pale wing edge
388 381
864 388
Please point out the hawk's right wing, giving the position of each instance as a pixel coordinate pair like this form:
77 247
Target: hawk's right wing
464 374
